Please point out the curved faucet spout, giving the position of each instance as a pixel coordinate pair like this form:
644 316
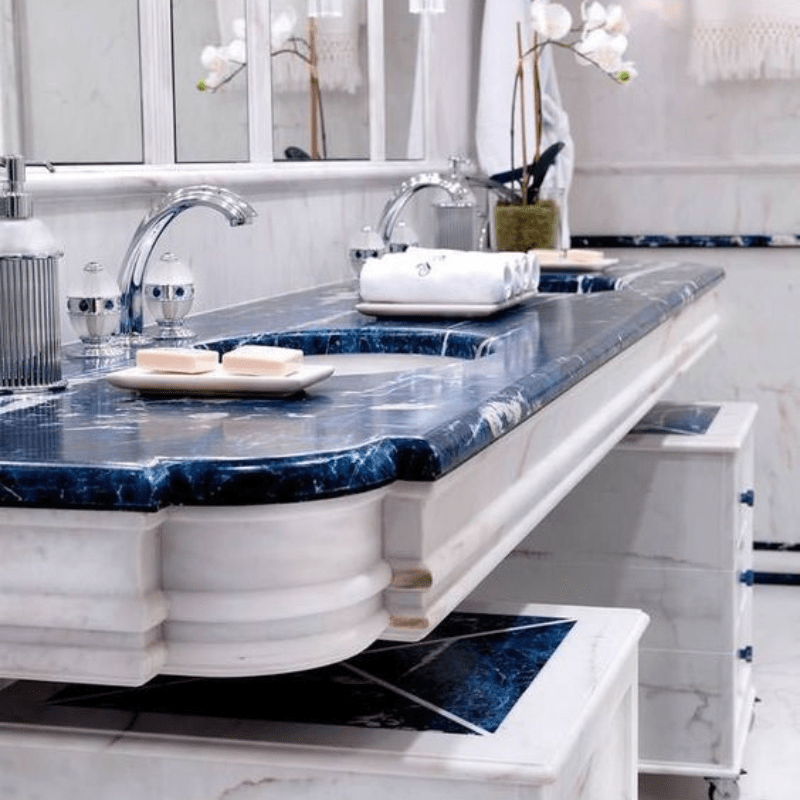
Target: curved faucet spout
459 194
131 275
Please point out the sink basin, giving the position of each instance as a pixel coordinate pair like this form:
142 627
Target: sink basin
376 363
373 349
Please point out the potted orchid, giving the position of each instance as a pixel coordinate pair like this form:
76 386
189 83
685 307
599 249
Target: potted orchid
600 41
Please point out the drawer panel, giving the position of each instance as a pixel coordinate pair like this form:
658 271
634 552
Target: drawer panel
689 609
691 706
676 499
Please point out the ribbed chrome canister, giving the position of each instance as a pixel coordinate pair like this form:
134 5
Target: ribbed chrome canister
30 332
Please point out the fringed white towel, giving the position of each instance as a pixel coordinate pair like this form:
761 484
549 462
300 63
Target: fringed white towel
745 39
337 49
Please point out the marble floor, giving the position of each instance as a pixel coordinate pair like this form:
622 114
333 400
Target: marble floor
772 754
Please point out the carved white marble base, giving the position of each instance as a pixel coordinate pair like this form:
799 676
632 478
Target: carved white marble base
117 597
443 539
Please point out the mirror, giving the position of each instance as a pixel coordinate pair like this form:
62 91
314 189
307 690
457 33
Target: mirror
404 91
210 125
79 86
76 79
329 118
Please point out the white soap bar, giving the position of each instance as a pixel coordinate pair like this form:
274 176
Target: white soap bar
254 359
177 359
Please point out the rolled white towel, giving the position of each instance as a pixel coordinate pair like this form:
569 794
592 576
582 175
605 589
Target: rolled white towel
520 266
526 264
435 276
534 270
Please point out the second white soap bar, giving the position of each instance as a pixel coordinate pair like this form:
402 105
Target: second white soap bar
254 359
185 360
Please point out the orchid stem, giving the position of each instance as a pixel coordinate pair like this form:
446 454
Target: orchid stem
537 100
521 85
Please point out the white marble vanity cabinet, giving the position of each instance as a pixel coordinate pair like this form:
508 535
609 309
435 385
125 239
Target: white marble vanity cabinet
664 523
501 702
232 536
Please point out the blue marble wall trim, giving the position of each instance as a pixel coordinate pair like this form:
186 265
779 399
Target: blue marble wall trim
686 240
677 418
95 446
777 578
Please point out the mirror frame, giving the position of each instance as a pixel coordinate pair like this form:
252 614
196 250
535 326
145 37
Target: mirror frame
159 170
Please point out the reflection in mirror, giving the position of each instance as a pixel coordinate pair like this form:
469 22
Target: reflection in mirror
402 44
77 80
332 123
210 80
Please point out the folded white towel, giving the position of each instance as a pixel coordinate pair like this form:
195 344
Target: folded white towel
438 276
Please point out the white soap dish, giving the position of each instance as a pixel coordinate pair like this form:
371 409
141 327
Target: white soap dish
451 310
219 382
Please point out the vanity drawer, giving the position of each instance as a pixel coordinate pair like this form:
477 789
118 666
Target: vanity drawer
689 609
675 500
694 708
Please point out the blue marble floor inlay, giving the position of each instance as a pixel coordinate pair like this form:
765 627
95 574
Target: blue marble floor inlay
463 678
679 418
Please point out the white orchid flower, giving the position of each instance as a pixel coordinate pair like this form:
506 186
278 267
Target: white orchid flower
213 59
601 48
594 16
239 28
221 63
617 21
282 27
236 52
550 20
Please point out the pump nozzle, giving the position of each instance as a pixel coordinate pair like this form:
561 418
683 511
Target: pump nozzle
15 203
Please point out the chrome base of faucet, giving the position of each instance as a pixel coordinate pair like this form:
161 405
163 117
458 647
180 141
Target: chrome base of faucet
173 331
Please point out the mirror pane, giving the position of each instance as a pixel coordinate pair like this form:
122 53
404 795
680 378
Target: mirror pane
210 80
77 79
404 86
332 123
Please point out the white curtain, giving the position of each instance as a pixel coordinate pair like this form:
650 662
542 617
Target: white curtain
745 39
498 64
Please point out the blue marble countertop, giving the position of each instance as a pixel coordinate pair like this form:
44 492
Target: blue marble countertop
95 446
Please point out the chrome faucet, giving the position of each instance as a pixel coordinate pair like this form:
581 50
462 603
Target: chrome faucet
460 195
456 183
131 275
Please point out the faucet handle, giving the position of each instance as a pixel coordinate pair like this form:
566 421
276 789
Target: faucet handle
458 164
367 243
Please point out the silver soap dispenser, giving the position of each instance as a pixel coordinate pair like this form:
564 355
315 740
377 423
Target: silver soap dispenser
30 330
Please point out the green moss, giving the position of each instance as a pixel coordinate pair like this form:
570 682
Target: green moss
524 227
